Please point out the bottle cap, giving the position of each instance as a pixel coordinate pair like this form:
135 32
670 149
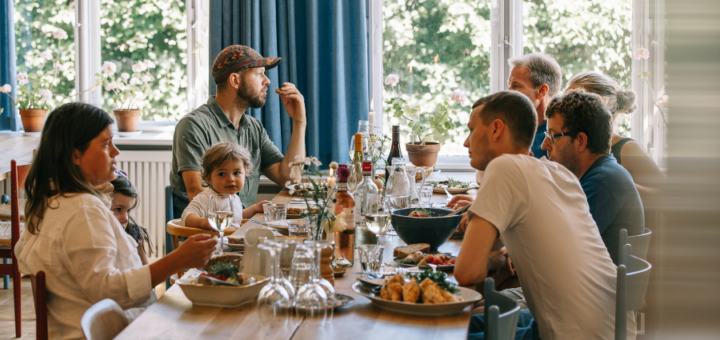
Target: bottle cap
358 142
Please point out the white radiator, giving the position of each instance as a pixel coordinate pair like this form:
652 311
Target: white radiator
149 172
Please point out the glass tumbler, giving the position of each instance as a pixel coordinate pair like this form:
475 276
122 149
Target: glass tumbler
371 256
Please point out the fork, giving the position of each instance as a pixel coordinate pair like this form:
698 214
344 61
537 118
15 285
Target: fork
449 197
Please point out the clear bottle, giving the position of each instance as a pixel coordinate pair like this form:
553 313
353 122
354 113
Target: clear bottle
366 195
344 240
363 131
356 170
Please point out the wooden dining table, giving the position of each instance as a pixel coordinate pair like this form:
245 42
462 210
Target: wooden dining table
173 316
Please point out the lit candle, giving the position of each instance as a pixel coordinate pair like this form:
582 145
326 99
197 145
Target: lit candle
371 116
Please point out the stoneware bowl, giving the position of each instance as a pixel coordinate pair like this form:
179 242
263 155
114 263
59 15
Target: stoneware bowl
434 231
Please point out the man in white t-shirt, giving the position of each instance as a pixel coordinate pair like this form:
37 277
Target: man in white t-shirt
539 211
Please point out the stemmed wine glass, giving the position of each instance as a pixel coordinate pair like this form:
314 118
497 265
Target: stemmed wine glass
311 297
277 298
319 245
220 215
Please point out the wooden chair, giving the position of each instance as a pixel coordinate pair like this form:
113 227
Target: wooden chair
633 276
7 247
640 243
40 296
176 231
103 321
501 314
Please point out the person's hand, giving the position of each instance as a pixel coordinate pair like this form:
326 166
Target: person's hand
196 251
508 261
294 102
459 201
258 207
206 225
464 222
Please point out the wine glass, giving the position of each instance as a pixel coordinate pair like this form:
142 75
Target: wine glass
220 215
378 216
319 245
311 298
277 298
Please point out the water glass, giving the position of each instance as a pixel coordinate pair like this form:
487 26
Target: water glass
371 256
302 266
425 194
298 228
286 256
275 212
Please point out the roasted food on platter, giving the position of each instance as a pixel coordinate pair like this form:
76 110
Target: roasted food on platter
432 289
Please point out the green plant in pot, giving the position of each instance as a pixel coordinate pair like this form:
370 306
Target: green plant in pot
428 131
127 90
36 88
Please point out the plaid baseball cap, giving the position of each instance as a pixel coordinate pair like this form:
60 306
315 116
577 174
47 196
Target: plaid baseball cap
237 57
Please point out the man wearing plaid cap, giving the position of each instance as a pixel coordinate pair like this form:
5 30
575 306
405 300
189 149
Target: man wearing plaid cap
239 73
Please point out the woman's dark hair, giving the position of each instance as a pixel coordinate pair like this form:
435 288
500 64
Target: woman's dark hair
121 185
68 128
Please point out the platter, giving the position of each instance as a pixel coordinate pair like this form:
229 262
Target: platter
468 296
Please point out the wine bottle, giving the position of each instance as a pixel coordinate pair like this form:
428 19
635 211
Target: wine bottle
394 148
357 162
344 240
366 195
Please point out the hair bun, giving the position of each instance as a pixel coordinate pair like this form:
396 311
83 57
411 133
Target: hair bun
626 101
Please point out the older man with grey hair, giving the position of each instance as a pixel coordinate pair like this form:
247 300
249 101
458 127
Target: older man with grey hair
538 77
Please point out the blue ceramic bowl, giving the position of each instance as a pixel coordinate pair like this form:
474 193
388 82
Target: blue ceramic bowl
434 231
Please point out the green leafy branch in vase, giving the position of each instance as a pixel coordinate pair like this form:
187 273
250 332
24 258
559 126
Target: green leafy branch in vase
436 125
319 219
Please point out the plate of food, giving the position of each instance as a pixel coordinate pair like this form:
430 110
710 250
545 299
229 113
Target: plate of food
419 255
302 189
454 187
428 293
294 213
220 283
235 243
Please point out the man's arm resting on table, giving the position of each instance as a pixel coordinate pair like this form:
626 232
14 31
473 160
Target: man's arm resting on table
471 264
193 183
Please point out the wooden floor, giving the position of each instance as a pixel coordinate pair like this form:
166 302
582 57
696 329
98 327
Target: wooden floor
7 314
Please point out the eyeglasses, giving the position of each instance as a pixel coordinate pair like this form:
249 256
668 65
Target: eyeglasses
552 137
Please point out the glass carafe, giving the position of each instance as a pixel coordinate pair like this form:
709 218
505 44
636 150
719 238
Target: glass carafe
398 188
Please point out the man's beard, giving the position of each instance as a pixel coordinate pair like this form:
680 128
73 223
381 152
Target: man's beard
568 159
244 96
486 155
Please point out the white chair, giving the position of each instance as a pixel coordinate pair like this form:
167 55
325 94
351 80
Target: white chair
633 276
103 321
640 243
501 314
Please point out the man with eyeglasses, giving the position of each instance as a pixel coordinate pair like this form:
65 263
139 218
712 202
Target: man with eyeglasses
538 210
578 137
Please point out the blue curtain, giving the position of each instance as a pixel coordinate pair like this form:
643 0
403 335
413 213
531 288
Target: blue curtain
9 118
323 44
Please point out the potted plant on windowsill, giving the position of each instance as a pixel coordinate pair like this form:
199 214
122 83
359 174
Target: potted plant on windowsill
427 131
126 90
35 88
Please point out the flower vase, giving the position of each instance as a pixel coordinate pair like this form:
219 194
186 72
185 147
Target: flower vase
315 230
33 120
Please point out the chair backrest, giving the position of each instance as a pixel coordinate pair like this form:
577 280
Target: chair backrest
632 280
104 320
640 243
18 174
40 296
501 314
169 216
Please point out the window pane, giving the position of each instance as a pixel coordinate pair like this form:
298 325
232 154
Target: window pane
436 47
139 31
583 35
35 23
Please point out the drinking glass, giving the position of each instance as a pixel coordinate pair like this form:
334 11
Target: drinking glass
425 194
277 298
286 256
317 296
378 217
220 215
371 256
297 228
275 212
301 268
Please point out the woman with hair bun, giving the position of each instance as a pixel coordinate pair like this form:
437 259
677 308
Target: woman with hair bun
628 152
72 235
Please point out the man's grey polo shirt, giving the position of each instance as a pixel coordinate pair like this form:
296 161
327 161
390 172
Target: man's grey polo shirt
208 125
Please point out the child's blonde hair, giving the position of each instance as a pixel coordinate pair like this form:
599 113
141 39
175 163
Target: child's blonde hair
220 153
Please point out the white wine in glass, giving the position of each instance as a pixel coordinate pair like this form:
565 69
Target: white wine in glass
220 215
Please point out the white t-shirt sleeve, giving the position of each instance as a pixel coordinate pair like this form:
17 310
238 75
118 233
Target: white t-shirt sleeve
502 198
198 206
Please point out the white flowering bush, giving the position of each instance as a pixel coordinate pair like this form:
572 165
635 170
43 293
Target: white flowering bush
659 102
126 89
35 89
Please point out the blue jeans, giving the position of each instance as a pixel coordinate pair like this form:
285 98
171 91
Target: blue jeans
527 328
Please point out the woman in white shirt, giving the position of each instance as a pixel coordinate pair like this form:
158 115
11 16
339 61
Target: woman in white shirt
72 235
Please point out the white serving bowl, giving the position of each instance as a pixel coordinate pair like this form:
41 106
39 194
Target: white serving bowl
224 296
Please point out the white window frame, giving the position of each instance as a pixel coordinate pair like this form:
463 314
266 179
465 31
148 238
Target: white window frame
87 51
